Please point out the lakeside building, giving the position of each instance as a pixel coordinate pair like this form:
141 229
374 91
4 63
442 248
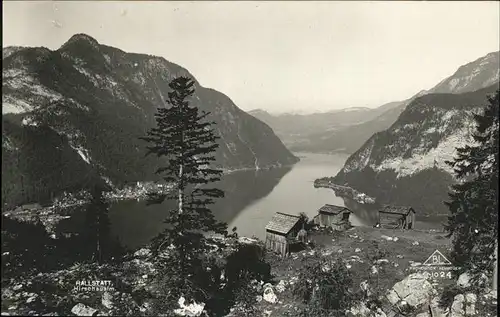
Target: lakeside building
396 217
282 231
336 217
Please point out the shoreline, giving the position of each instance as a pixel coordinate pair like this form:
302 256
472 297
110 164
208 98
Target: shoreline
62 207
345 192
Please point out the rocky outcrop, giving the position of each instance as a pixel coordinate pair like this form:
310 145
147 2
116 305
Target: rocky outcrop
414 291
83 310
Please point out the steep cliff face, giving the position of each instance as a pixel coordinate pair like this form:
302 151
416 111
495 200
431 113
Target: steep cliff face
97 101
405 164
473 76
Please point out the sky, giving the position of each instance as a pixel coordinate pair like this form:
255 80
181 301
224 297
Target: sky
280 56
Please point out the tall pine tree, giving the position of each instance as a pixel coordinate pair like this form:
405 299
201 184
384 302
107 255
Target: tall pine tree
97 226
473 223
184 137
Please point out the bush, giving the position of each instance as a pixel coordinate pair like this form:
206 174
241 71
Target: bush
325 286
375 252
222 281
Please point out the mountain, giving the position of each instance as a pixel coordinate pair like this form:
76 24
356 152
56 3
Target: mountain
78 111
405 164
297 130
341 134
473 76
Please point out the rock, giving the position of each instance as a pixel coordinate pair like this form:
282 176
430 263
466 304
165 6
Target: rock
374 270
395 239
380 261
463 305
470 306
414 289
339 251
246 240
348 266
386 238
17 287
258 298
326 252
379 313
465 280
491 295
357 250
436 310
267 285
399 256
32 298
107 300
359 309
326 268
83 310
396 264
365 287
392 297
457 308
269 296
144 252
415 243
191 310
280 288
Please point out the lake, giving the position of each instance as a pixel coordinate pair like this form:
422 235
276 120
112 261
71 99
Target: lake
251 199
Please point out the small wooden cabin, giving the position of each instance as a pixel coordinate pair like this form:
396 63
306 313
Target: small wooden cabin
333 216
396 217
281 232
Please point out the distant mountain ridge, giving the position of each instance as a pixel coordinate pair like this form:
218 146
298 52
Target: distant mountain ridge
80 110
405 165
340 133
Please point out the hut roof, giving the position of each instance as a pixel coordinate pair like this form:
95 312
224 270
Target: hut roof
332 209
282 223
400 210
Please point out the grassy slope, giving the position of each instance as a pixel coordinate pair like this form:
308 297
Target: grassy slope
365 239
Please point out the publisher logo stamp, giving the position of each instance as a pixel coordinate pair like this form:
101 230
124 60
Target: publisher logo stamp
94 286
436 267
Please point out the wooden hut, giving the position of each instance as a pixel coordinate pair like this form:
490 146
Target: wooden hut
281 232
333 216
397 217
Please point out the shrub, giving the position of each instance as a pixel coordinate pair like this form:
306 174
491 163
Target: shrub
325 286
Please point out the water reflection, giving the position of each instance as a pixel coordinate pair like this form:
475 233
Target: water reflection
134 223
367 213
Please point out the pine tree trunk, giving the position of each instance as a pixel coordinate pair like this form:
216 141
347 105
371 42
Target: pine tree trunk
495 268
98 255
181 188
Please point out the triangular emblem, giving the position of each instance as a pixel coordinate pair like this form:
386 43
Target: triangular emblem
437 258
